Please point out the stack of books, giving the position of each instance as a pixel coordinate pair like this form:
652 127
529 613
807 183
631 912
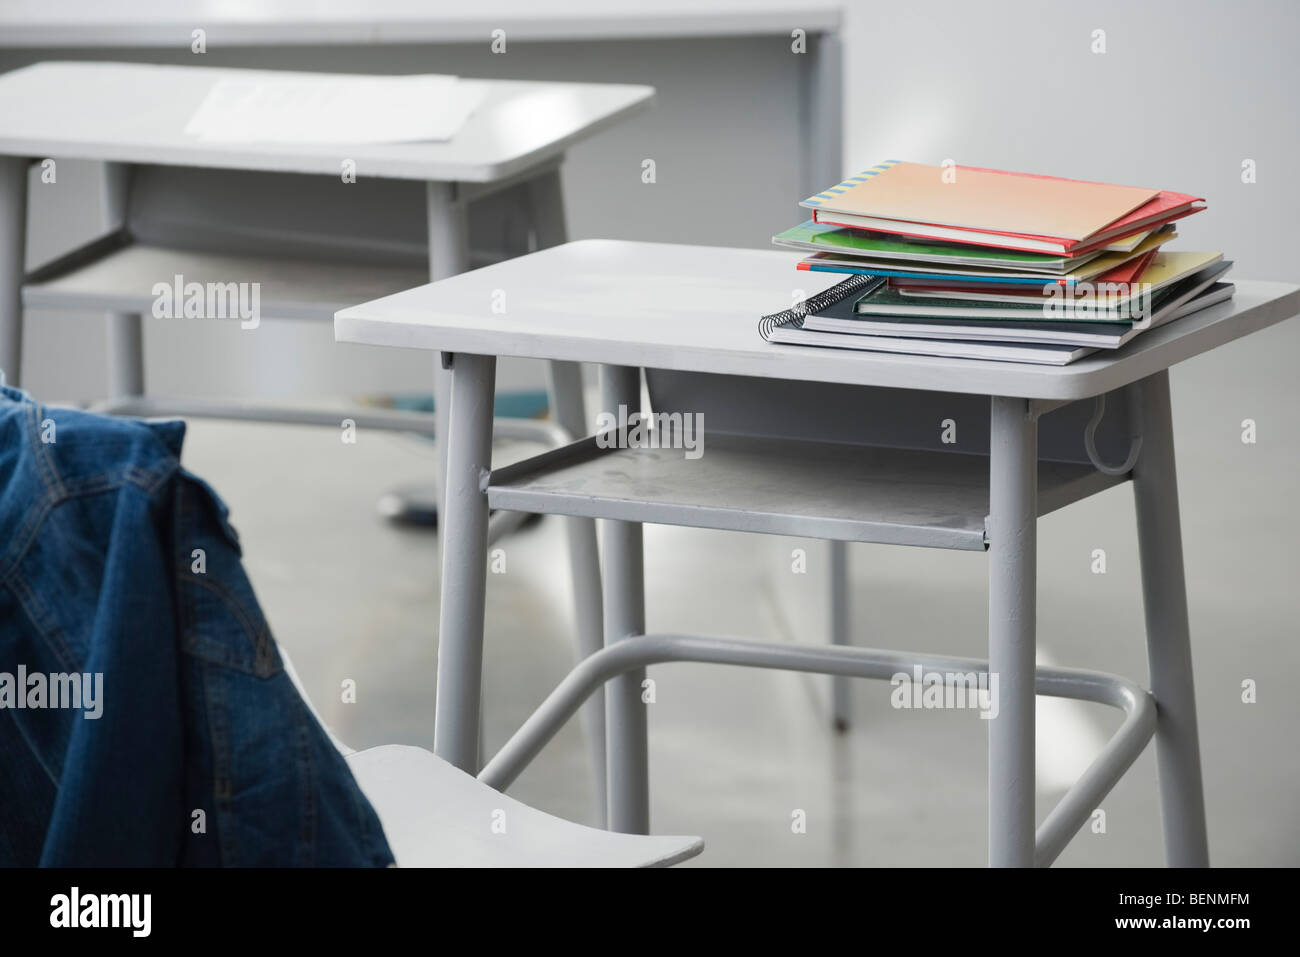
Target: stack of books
984 264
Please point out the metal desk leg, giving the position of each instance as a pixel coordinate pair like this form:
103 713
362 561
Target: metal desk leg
448 256
1169 652
1013 559
546 196
13 256
464 561
123 331
124 346
584 568
624 578
839 598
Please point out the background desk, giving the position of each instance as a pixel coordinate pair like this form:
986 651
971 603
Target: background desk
731 96
278 216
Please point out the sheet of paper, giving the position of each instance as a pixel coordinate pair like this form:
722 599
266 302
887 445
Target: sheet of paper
314 108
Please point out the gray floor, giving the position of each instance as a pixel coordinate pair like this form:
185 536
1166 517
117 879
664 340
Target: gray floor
735 753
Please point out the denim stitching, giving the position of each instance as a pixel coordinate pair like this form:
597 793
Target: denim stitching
92 486
10 569
258 635
50 633
222 784
36 752
26 534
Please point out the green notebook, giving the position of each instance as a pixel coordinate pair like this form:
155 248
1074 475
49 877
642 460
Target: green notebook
819 237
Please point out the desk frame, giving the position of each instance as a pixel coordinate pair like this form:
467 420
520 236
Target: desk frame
1168 712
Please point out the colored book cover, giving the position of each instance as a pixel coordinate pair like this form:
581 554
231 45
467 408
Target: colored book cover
816 236
947 275
979 199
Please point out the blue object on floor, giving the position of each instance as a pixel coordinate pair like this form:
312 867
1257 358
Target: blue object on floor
508 405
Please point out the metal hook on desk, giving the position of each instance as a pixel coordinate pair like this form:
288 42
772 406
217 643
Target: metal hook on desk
1090 444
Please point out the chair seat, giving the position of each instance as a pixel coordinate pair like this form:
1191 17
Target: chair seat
435 815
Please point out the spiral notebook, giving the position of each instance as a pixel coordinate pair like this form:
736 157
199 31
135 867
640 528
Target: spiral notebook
787 327
834 309
1198 293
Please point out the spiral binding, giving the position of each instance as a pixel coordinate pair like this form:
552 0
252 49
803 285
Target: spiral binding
795 315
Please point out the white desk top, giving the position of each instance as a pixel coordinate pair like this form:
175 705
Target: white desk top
136 113
168 23
696 308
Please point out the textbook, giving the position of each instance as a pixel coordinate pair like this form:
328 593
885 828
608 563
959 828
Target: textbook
969 263
788 328
1203 289
1018 211
940 287
1108 292
813 236
994 201
821 237
945 275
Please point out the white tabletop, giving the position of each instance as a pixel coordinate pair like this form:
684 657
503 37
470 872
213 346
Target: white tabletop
696 308
137 113
168 23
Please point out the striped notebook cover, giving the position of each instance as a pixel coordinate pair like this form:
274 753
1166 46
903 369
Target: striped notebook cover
991 201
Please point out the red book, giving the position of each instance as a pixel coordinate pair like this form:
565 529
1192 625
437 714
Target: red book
874 201
1125 272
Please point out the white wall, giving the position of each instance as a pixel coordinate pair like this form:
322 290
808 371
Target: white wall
1183 94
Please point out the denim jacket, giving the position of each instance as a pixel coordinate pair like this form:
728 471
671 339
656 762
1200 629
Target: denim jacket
120 578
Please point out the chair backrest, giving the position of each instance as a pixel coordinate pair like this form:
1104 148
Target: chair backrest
865 415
